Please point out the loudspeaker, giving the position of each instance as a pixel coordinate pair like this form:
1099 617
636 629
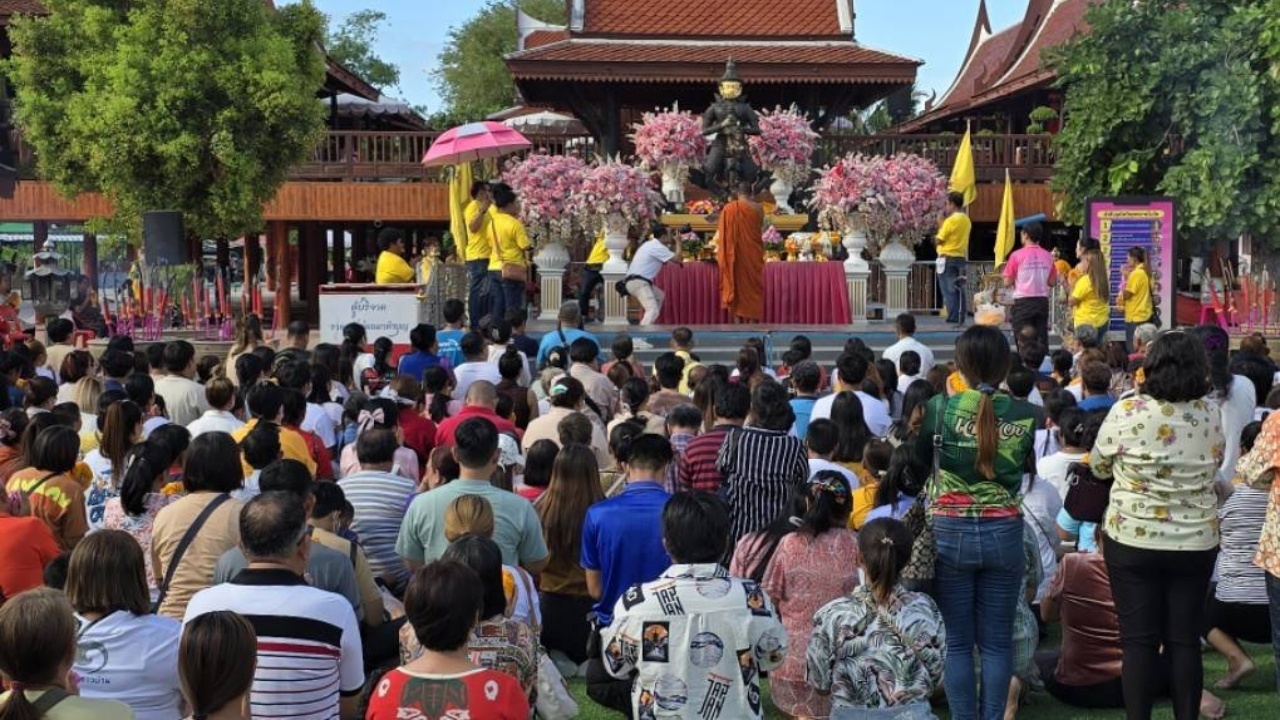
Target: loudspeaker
163 239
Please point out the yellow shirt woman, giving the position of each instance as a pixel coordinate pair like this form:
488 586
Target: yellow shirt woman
1092 310
393 269
1137 296
511 241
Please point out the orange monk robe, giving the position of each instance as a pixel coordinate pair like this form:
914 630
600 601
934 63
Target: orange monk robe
741 232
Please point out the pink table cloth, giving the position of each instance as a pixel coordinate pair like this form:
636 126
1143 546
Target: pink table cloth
798 293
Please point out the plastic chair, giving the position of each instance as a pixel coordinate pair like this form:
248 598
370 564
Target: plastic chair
1215 306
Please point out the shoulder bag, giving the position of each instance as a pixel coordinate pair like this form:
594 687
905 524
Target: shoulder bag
189 536
554 702
515 272
1087 495
24 496
924 552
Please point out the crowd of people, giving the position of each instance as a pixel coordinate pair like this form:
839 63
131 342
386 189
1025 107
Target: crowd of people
325 531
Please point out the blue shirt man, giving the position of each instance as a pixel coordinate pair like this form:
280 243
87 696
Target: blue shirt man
622 542
416 363
450 349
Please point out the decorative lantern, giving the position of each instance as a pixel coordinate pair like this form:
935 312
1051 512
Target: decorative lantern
50 284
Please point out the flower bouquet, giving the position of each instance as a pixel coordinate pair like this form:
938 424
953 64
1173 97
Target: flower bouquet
784 147
701 207
615 196
671 142
546 186
921 197
692 246
774 244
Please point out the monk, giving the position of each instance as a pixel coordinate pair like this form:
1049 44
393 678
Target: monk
741 244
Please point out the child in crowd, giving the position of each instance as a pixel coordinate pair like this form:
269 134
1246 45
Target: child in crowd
875 465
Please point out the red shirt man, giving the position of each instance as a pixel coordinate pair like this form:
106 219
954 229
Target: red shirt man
482 398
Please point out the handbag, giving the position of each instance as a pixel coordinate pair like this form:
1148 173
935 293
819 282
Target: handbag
514 272
1087 495
924 551
183 544
554 701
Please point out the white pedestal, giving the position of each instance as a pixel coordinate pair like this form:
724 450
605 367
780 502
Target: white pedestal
615 306
552 259
896 259
615 241
858 282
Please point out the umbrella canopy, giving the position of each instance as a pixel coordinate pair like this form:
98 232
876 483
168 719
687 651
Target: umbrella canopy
546 123
474 141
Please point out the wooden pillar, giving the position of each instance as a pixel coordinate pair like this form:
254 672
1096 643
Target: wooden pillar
316 266
358 240
339 256
89 263
612 122
40 233
278 247
306 246
252 257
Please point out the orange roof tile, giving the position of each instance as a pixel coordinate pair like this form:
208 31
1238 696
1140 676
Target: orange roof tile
538 38
825 62
26 7
1063 23
714 18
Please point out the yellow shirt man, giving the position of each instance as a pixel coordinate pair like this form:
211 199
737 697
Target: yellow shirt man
1091 310
1137 296
393 269
953 236
599 253
511 242
479 244
292 446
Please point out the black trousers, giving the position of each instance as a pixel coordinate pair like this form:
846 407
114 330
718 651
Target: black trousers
591 279
603 688
1243 623
565 626
1099 696
1032 311
1159 598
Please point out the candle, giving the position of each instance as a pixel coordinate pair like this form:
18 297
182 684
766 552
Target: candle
222 295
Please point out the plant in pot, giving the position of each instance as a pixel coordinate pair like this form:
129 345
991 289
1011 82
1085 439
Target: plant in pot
784 147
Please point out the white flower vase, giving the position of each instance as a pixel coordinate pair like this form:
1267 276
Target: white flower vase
615 241
673 175
855 241
552 259
781 190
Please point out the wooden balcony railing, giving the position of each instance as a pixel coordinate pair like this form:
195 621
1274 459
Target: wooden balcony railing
374 156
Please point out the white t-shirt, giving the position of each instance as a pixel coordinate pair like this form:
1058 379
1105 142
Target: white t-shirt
495 354
528 607
1237 411
893 353
817 465
319 421
648 260
183 398
1041 505
151 424
469 372
1052 469
904 382
132 659
215 421
874 411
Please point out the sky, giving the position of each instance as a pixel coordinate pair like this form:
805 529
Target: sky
935 31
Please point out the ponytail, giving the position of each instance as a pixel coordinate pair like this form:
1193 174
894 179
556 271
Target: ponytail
885 546
18 707
117 430
988 436
829 503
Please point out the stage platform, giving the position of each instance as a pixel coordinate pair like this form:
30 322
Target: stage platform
720 343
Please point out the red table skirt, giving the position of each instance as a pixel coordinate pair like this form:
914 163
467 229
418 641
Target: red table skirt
801 293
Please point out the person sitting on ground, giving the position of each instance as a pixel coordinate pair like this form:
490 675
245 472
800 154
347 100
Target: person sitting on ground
293 415
475 364
126 653
668 369
37 651
699 468
851 370
523 400
26 544
1084 432
623 352
600 397
879 629
684 423
682 344
567 398
761 462
538 462
379 495
266 403
673 626
47 489
298 337
380 414
216 680
221 396
568 329
805 378
308 639
876 458
328 500
634 405
481 402
260 448
142 494
905 327
1095 379
1049 437
901 486
820 444
443 603
424 341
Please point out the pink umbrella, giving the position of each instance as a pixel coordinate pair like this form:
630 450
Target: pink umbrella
474 141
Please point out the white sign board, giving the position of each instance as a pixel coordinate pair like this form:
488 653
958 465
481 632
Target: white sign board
389 315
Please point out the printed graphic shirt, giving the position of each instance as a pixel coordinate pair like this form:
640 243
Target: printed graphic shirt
1258 468
479 693
960 491
872 657
699 640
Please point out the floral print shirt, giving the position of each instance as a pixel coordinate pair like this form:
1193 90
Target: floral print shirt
115 518
1163 458
1258 468
868 656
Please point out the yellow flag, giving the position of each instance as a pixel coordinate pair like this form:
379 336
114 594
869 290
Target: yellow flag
963 177
459 196
1005 231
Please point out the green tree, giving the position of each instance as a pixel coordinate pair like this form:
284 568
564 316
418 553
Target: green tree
351 44
472 77
1180 98
171 104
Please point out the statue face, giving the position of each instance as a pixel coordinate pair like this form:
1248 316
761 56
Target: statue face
730 90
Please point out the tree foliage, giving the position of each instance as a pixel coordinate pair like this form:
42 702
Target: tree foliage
1180 98
186 105
472 77
351 43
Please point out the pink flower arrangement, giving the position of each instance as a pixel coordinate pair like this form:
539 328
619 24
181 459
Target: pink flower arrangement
669 138
701 207
613 188
546 186
900 197
785 144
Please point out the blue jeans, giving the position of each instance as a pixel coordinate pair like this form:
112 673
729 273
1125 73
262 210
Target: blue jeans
513 292
477 290
978 578
497 306
953 289
1273 594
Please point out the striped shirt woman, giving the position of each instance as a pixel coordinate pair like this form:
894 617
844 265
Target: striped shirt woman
761 464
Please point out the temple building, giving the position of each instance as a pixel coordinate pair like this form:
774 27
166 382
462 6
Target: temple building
614 59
